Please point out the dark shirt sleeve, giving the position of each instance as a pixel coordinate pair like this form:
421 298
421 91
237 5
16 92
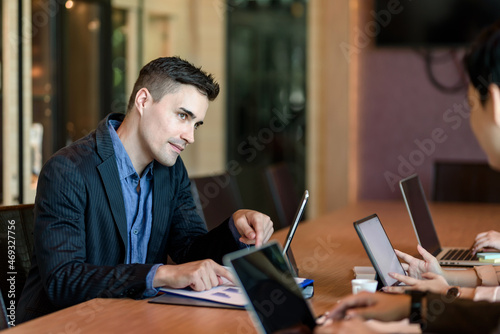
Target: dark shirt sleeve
461 316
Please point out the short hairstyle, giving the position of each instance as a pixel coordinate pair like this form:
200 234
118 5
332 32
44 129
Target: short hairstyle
165 75
482 60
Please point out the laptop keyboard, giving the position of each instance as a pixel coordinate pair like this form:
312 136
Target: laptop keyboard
459 255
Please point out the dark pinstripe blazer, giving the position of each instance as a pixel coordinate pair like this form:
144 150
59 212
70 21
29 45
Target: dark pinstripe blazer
81 228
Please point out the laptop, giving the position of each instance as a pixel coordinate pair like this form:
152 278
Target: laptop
379 249
275 300
287 250
416 203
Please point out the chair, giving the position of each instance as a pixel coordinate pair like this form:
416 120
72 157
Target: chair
283 192
4 320
465 182
16 229
217 197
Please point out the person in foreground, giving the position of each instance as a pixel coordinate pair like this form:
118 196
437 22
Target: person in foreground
445 312
111 207
436 314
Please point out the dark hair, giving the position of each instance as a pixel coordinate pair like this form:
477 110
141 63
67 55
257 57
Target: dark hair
165 75
482 61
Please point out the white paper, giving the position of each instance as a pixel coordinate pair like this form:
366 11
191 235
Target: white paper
226 293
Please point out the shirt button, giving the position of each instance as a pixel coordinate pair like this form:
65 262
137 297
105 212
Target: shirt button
135 231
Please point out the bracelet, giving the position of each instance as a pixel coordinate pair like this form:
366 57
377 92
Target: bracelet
416 306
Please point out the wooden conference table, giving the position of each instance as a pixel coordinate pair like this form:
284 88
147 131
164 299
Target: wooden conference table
326 249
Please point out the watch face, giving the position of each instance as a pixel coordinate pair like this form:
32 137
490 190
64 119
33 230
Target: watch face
453 292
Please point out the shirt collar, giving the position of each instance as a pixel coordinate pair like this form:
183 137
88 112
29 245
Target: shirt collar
125 166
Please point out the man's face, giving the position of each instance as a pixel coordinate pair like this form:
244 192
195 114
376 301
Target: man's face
484 125
168 125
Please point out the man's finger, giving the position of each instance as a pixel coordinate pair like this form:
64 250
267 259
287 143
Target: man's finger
224 272
243 226
258 238
198 284
269 230
247 241
258 225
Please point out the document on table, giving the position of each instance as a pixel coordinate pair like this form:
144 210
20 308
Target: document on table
226 293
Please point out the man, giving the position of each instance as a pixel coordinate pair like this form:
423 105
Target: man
460 316
111 207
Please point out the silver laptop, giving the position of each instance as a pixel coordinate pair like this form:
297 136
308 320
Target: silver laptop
416 203
275 300
287 250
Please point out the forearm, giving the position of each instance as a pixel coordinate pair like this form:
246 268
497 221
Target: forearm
75 283
464 278
467 293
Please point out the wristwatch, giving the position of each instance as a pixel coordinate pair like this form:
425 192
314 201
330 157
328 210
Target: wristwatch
453 292
416 306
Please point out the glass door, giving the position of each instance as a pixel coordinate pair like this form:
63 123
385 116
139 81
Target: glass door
71 74
266 92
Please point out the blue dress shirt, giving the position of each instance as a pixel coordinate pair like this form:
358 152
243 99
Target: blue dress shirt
138 199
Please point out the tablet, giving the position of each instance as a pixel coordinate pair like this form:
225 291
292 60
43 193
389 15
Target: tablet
275 300
379 249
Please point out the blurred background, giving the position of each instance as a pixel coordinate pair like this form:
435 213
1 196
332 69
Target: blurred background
352 95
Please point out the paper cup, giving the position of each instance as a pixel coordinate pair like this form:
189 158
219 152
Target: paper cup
359 285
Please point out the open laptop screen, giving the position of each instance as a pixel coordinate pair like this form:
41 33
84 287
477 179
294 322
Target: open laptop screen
275 298
420 215
287 249
296 220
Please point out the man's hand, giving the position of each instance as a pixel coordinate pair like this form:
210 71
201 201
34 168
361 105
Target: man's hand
367 305
416 267
254 227
432 282
199 275
490 239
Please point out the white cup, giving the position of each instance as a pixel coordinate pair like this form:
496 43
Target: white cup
361 284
